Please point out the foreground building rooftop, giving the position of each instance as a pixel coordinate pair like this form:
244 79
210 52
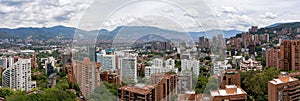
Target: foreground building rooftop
231 92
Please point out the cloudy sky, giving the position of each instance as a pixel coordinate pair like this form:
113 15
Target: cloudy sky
187 15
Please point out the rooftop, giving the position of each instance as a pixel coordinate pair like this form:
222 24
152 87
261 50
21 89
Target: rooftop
224 92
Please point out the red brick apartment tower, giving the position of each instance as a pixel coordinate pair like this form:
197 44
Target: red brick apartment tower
290 55
272 57
285 88
87 75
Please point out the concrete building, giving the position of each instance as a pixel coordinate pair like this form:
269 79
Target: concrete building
87 75
185 82
219 66
236 61
50 65
128 67
108 61
18 75
230 93
285 88
170 63
160 66
151 69
3 62
191 65
290 55
66 58
158 62
203 42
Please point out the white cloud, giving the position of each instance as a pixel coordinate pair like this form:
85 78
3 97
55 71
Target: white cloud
268 15
229 10
184 14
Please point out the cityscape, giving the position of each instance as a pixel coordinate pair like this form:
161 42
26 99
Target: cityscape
154 57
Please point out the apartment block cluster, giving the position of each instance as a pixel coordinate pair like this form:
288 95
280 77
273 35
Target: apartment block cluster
248 41
16 72
285 57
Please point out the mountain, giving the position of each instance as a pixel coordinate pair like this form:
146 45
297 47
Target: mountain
41 33
273 25
226 33
62 32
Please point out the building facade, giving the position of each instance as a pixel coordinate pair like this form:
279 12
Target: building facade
87 75
230 77
272 57
128 67
285 88
108 61
290 55
18 75
190 65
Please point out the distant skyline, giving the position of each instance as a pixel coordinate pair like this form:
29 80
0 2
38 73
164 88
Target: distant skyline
187 15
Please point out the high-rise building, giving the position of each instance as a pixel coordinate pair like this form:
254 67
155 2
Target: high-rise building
128 67
185 82
87 75
18 75
151 69
170 63
237 44
160 66
272 57
203 42
3 62
66 58
190 65
246 37
167 85
290 55
254 29
285 88
107 61
158 62
50 65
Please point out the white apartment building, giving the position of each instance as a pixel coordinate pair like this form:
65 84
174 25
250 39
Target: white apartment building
191 65
170 63
158 62
108 62
163 67
127 63
18 75
219 66
151 69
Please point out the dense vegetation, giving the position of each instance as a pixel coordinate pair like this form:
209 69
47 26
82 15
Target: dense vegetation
255 83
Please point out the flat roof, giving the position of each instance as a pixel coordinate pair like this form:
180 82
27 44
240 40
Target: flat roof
222 92
278 81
